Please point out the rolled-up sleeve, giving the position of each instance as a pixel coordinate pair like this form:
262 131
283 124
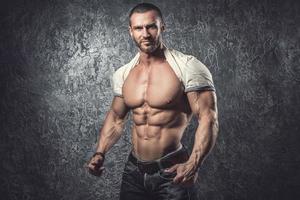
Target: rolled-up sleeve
197 76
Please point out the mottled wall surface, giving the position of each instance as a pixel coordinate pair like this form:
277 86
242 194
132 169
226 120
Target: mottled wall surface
56 60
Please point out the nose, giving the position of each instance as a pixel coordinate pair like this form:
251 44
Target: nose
145 32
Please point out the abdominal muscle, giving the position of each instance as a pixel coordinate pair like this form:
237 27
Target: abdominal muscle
159 107
157 132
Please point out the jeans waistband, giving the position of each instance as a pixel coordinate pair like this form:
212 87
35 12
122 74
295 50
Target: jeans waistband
178 156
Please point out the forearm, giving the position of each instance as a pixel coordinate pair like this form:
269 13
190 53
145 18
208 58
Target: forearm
110 132
205 138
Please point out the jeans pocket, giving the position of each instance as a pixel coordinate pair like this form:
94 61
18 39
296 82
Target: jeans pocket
130 168
167 175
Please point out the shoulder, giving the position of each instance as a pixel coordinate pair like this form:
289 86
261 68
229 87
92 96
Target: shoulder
196 76
123 70
119 77
179 55
189 62
119 73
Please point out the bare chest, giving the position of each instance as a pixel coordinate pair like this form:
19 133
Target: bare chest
158 86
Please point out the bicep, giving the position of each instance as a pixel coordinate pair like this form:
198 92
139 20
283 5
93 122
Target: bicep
203 103
119 108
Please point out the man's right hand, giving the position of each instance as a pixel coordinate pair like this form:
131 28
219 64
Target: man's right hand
95 165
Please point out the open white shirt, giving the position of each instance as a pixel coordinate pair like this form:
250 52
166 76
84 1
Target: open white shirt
193 74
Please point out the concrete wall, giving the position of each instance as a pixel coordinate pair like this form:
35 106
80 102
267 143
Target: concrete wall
56 60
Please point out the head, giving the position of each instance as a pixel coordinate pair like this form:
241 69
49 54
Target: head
146 26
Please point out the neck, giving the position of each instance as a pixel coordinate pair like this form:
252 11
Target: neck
148 58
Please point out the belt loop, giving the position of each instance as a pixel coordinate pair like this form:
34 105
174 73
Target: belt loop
159 164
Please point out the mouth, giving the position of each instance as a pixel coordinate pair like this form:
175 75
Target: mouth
147 43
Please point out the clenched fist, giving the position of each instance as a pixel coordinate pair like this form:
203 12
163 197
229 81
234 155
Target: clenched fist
95 165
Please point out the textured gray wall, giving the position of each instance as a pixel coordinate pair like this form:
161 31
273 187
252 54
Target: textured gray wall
56 59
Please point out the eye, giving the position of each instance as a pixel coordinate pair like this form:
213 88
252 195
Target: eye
138 28
152 26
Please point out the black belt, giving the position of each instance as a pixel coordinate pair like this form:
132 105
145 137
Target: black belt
151 167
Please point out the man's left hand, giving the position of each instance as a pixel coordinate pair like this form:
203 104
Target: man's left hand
186 174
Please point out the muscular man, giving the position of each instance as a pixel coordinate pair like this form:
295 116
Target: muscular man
163 88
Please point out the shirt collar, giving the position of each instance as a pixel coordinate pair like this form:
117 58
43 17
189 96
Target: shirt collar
170 57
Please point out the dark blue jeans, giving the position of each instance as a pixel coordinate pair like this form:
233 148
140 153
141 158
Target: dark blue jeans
157 186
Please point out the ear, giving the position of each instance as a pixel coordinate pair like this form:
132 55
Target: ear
130 30
163 28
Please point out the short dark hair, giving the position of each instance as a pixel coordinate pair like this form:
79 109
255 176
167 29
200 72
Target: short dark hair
144 7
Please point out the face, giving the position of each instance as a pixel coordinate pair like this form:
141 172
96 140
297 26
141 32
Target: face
145 30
